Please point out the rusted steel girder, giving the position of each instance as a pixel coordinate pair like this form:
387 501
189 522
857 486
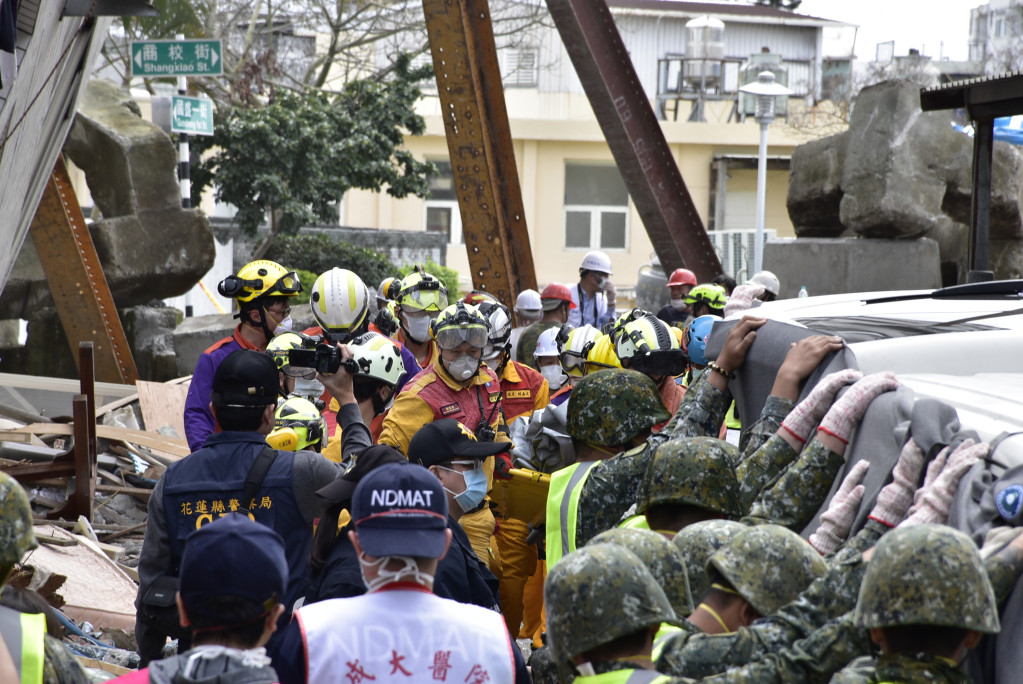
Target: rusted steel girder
480 146
634 136
77 284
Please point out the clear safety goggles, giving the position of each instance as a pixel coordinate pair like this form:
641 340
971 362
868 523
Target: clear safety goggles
287 284
471 465
423 295
452 338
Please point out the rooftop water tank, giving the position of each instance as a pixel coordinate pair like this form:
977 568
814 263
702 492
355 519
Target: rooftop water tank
705 48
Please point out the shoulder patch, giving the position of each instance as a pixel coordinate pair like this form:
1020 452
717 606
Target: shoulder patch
518 394
449 409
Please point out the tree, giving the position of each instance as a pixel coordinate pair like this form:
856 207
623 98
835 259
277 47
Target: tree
295 156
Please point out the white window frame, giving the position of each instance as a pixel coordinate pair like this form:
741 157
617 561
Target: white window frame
455 236
513 73
596 211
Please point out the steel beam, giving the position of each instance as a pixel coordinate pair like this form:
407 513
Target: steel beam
480 146
634 136
75 277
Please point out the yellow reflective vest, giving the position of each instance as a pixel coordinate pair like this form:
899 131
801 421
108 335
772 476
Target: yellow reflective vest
563 509
22 634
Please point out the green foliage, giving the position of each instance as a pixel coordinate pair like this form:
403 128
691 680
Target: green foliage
448 276
317 253
308 279
300 152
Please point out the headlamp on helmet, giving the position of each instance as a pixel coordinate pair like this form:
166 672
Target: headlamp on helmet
460 323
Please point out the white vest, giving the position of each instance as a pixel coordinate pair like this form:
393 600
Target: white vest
405 635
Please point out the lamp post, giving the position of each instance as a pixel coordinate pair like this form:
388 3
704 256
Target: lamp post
766 90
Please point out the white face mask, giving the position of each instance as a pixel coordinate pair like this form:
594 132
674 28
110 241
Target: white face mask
678 304
463 368
418 327
554 375
411 571
601 282
308 387
284 326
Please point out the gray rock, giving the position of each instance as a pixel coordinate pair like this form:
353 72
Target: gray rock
150 330
815 187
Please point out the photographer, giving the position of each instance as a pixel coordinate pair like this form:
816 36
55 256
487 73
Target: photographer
458 386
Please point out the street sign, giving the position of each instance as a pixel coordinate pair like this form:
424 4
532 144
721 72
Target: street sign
192 115
177 58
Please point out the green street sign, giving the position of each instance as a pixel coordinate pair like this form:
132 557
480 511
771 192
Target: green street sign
192 115
177 58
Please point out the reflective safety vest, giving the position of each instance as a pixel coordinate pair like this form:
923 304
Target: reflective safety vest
22 634
661 638
625 677
404 633
563 509
636 522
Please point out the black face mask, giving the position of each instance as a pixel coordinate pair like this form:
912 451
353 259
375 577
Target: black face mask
379 403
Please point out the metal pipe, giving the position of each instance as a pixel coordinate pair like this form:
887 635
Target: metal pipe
758 251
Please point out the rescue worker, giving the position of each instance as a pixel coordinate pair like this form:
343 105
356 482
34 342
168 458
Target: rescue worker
400 517
419 300
706 300
556 301
548 362
645 344
682 280
694 344
574 347
298 426
770 283
295 379
523 389
387 291
459 386
528 310
263 290
27 652
233 577
590 305
726 282
235 470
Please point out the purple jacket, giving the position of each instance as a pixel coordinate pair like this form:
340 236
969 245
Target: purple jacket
199 422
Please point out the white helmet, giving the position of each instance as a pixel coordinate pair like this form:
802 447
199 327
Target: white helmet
596 261
547 343
377 357
340 302
528 302
768 280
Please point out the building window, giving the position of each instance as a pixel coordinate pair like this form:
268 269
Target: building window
442 207
596 207
520 67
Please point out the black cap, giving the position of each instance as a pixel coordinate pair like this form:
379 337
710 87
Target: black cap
248 378
446 440
363 462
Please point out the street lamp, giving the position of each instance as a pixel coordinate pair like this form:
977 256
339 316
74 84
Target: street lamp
766 90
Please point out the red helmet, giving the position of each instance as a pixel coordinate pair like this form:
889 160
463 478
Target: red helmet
557 291
682 276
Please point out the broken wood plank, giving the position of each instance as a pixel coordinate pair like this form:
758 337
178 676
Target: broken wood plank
172 447
163 406
55 541
100 665
114 535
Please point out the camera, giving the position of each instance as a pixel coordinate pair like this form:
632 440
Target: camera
324 358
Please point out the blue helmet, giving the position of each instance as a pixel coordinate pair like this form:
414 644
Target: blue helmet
694 340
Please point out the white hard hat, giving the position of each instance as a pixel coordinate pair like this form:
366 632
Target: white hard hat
596 261
768 280
528 300
339 301
547 343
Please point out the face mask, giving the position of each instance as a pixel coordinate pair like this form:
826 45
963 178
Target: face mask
601 282
380 405
475 488
528 318
678 304
308 387
410 571
697 374
418 327
284 326
554 375
463 368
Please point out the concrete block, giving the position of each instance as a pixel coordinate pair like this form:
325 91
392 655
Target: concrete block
835 266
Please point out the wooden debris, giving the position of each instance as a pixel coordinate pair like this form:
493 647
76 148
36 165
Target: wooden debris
163 406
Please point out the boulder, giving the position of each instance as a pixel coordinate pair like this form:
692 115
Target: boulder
815 187
150 333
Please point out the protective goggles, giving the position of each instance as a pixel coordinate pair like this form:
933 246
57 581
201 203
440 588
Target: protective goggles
423 294
452 338
287 284
473 465
572 363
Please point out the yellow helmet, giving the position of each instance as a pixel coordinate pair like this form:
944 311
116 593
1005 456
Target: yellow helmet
302 416
420 291
574 345
602 356
261 278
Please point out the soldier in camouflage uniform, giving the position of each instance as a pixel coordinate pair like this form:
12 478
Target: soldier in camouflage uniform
926 600
17 538
698 542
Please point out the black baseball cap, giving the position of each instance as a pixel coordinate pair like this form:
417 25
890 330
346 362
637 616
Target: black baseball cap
233 555
363 463
446 440
400 509
246 378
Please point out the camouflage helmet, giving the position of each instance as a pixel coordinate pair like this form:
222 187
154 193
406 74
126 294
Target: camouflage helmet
597 594
698 542
768 565
612 407
664 561
692 470
927 575
16 535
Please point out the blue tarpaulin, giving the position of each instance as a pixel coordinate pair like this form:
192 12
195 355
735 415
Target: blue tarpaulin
1007 129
